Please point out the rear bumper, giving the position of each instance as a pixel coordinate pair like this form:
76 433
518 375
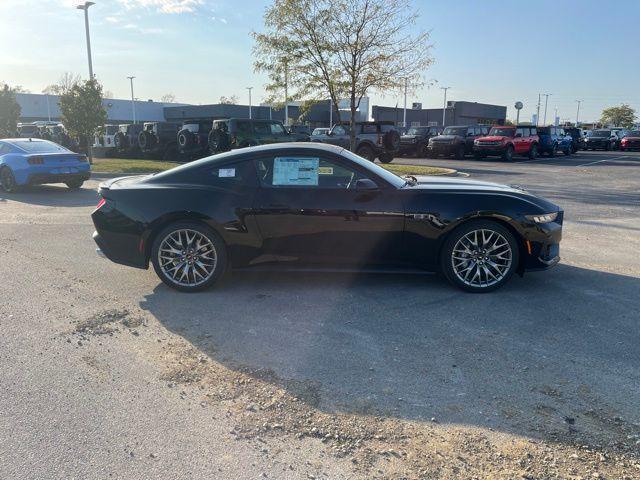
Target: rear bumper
41 178
105 250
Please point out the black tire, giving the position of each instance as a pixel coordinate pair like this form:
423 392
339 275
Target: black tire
386 157
119 141
74 184
554 150
568 151
8 180
507 156
218 141
391 140
185 138
219 249
366 152
146 140
460 151
447 260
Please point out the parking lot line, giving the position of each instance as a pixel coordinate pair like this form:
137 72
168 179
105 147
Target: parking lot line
600 161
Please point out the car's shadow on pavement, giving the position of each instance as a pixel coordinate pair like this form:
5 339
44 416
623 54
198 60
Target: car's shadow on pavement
53 195
554 355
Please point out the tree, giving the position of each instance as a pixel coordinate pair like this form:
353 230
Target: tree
343 48
65 83
9 111
168 98
82 110
622 116
232 100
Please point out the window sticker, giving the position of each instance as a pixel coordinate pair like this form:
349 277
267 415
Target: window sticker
226 173
325 170
295 171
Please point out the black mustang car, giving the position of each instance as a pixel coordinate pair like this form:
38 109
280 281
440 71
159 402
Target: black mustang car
321 206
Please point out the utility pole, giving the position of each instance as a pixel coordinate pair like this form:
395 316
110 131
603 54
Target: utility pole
404 116
133 100
546 101
48 107
538 111
286 94
578 112
330 112
85 6
249 88
444 108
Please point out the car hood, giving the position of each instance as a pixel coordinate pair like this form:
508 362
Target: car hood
445 138
493 138
408 137
475 186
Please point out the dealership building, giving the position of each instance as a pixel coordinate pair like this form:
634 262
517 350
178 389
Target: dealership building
39 107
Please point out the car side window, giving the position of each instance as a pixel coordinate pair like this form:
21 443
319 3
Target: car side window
261 128
277 129
520 132
369 128
471 131
234 176
243 128
312 172
339 130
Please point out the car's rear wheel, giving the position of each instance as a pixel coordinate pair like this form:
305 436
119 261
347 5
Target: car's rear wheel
508 154
460 152
8 181
533 152
75 184
366 152
479 256
188 256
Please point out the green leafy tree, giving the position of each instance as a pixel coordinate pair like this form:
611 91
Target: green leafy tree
82 111
340 48
622 116
9 111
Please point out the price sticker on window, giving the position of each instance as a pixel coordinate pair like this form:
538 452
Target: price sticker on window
227 173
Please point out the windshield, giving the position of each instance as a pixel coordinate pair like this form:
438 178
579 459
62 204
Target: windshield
28 129
392 178
417 131
601 133
462 131
39 146
320 131
502 132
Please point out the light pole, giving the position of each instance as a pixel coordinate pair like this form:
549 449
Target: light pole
578 112
85 6
249 88
538 111
404 115
444 108
546 101
133 100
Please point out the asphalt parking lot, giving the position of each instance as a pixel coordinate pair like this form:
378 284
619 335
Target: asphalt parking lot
107 373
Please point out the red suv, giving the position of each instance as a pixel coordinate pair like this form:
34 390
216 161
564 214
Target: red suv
506 142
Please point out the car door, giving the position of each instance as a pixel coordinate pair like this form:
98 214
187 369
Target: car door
262 133
520 140
309 209
469 138
339 135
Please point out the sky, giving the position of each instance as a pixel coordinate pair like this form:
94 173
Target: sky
491 51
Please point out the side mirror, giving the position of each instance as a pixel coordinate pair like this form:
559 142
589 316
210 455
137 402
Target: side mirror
366 184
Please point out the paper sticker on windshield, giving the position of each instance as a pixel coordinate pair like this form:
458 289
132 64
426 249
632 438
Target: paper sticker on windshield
295 171
325 170
226 173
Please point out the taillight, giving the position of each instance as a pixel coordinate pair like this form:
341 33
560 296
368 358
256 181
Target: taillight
35 160
101 204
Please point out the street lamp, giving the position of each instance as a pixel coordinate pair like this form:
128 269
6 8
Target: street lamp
249 88
444 108
578 112
133 100
85 6
546 101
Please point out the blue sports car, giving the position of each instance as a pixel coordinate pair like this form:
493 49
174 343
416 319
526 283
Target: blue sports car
32 161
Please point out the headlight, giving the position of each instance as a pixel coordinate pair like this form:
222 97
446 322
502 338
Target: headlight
546 218
476 142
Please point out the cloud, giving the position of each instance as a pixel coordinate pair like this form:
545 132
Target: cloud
164 6
112 19
143 30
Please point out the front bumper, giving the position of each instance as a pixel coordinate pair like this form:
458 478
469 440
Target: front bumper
489 150
597 144
442 149
542 245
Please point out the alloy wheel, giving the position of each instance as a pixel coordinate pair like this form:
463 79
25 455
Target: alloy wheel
481 258
187 257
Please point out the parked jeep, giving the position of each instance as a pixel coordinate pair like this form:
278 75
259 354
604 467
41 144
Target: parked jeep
577 138
159 140
416 140
553 140
59 135
300 129
193 138
241 132
507 141
373 139
125 140
631 141
28 130
604 139
456 141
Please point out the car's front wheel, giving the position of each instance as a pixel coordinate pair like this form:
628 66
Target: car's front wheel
8 181
188 256
508 154
479 256
75 184
366 152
